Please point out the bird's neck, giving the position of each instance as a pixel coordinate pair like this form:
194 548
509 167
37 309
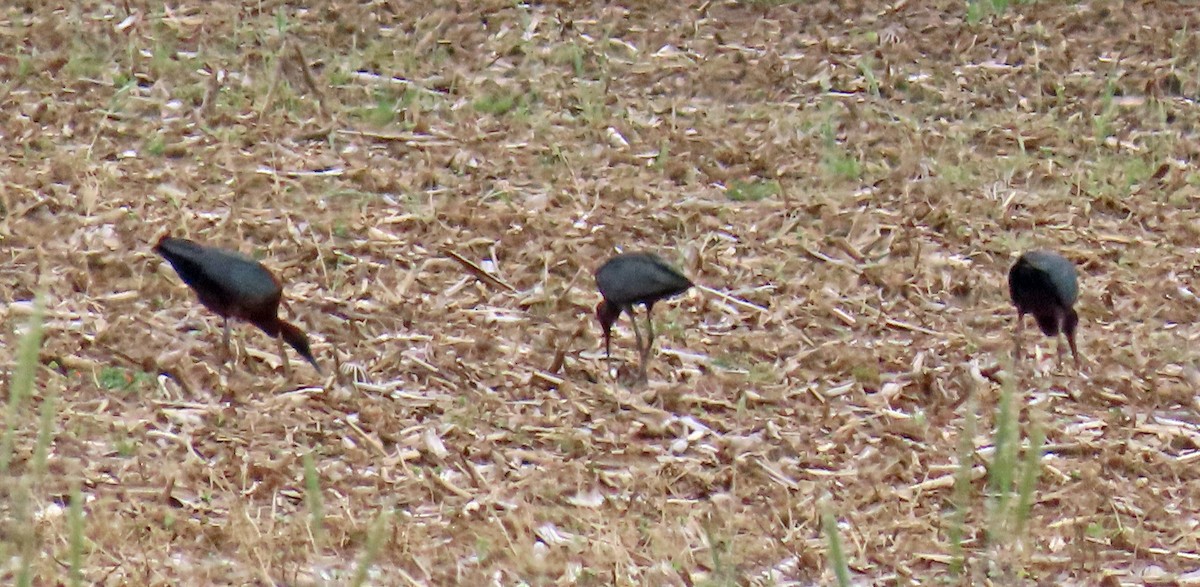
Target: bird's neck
269 326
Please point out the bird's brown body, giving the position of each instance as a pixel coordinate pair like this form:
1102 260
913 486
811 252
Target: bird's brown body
234 286
629 279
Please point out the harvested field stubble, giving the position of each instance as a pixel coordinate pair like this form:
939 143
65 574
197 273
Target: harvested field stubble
435 182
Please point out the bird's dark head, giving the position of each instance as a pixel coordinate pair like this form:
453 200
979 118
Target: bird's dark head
158 246
607 315
298 340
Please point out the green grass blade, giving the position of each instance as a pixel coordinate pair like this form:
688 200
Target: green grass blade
837 556
1004 459
46 419
374 540
1030 471
75 527
962 485
22 381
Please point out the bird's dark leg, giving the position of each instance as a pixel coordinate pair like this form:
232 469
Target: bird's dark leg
283 358
228 353
637 334
649 326
650 341
1017 337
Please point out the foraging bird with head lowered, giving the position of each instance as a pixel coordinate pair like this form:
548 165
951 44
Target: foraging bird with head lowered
629 279
235 286
1045 284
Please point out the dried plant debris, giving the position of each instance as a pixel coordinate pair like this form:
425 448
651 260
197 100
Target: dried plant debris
848 182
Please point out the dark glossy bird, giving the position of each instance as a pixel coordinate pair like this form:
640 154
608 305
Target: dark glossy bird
235 286
629 279
1045 284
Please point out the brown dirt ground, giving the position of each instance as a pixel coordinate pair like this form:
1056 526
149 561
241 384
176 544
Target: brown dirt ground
855 177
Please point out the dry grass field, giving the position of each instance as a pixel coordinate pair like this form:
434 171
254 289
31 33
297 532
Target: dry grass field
435 183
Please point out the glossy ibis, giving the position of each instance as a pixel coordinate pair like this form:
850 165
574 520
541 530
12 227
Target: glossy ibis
235 286
1044 284
629 279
